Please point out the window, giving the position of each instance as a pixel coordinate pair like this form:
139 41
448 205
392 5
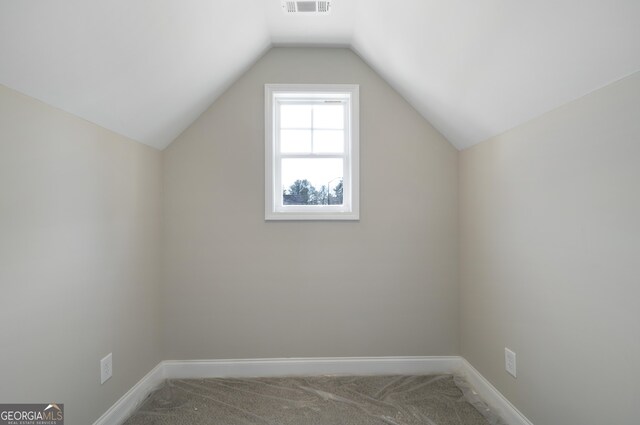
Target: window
311 152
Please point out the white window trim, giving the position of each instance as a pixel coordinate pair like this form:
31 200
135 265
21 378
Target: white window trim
350 210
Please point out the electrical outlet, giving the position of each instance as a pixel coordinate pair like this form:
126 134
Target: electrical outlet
510 361
106 368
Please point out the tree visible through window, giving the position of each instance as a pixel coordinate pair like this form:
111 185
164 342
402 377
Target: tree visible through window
302 192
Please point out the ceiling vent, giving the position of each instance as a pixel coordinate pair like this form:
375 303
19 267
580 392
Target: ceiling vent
306 6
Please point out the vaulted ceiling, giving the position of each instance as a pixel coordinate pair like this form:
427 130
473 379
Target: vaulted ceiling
147 68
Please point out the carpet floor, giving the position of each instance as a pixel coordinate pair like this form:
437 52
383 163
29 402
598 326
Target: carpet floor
325 400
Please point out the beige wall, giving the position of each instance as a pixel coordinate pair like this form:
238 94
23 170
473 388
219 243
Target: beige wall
550 225
79 237
236 286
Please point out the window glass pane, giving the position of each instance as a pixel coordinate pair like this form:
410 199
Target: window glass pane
295 141
295 116
312 181
328 116
328 141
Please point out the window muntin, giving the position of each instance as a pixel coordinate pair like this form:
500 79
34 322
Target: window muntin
311 152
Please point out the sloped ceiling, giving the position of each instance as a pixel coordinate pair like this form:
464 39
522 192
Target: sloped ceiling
147 68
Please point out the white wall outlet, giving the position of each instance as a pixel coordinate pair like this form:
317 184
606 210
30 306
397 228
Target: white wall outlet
510 361
106 368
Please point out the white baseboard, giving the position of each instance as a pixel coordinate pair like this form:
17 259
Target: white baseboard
185 369
492 397
128 403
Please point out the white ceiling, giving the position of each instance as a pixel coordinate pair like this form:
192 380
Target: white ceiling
147 68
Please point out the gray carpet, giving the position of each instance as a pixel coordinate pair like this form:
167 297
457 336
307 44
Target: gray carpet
335 400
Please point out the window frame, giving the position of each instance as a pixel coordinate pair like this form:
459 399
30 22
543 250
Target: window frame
277 94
